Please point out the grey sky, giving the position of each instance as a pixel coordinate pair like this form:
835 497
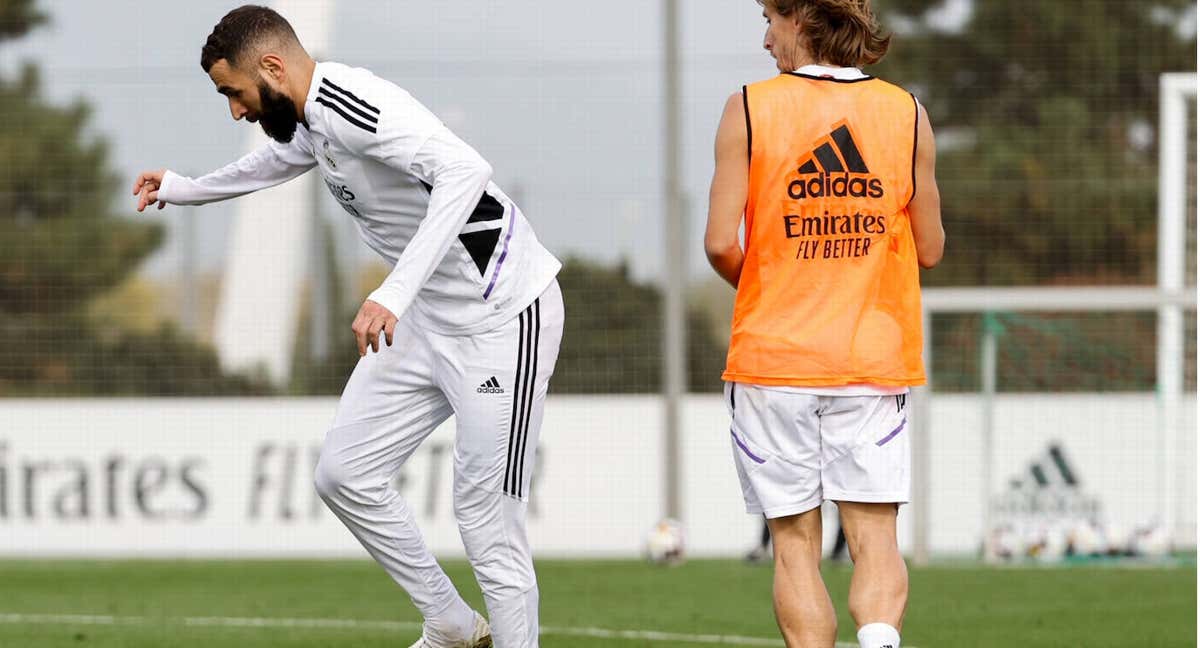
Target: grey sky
563 98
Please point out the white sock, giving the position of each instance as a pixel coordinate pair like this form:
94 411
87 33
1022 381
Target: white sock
878 635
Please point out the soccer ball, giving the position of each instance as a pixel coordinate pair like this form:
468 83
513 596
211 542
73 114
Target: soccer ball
1085 540
1151 541
1002 544
1052 546
664 544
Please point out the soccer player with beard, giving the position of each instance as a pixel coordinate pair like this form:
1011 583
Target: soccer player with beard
832 173
468 322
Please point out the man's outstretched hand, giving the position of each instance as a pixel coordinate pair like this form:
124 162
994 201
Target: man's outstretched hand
146 189
373 319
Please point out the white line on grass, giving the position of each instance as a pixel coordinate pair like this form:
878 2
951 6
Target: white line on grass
359 624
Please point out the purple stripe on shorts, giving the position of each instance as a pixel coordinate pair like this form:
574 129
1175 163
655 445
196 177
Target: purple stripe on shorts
512 225
892 434
745 449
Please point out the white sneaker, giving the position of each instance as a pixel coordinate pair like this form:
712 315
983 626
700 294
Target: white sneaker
481 637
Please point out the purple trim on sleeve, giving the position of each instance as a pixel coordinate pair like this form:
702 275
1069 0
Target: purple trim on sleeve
891 435
512 225
745 449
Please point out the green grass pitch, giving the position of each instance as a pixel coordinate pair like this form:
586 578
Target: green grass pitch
273 604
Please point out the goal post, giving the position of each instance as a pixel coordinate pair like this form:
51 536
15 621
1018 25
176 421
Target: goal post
1162 414
1177 90
1034 302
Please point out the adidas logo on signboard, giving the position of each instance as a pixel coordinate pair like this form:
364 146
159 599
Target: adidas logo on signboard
492 386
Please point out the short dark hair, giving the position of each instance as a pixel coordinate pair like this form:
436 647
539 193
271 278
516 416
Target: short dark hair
243 30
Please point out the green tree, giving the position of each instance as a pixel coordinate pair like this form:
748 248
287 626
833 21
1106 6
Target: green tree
1045 114
1038 106
612 338
63 247
17 17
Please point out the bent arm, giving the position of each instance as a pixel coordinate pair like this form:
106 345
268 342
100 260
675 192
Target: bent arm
925 208
727 195
459 176
266 167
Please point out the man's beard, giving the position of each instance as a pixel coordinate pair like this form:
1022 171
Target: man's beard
278 118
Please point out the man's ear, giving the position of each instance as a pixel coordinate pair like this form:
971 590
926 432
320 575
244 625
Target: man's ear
272 66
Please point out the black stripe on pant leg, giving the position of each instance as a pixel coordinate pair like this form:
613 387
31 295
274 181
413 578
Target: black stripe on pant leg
522 400
526 397
518 388
533 385
512 426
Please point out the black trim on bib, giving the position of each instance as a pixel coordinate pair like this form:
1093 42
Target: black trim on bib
749 131
916 127
829 78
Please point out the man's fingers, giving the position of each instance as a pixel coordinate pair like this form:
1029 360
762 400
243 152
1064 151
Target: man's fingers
376 327
371 324
147 177
390 330
148 196
142 179
360 337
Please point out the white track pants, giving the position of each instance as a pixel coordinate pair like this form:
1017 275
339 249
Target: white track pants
495 384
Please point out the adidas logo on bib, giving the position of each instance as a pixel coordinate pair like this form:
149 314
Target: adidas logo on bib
835 169
492 386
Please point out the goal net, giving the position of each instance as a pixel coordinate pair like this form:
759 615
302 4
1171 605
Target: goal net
1061 421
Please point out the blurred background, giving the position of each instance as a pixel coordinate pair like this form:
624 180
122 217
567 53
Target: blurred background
154 405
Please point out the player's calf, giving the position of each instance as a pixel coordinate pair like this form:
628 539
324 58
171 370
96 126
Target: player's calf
879 585
803 608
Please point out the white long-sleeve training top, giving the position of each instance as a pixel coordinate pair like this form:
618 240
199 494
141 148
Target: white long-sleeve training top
465 259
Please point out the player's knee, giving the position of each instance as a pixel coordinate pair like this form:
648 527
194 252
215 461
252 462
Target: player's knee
480 515
331 476
801 532
797 548
503 577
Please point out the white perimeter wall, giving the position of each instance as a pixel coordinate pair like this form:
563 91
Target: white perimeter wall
232 477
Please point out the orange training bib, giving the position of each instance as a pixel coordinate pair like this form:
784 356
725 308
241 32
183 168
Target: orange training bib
829 293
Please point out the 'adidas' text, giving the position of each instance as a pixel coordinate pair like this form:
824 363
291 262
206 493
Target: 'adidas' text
492 386
841 186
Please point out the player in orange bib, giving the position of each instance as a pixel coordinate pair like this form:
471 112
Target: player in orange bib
831 171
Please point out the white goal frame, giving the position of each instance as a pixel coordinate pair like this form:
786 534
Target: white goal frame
1170 299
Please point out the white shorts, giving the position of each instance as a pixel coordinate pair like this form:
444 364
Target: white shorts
794 450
